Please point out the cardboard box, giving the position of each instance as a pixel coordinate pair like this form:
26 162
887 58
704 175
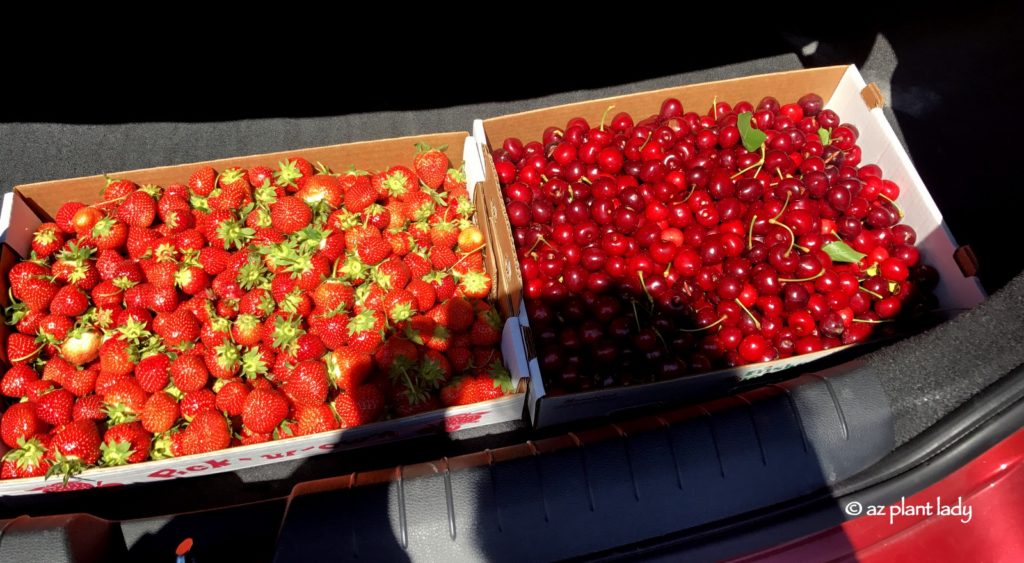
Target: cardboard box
29 205
844 91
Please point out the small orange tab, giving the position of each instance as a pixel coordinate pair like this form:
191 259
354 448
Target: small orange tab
872 96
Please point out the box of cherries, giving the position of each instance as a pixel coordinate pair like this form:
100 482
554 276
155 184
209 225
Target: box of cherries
674 243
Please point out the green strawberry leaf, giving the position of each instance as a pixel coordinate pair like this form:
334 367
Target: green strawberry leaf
752 138
839 251
825 135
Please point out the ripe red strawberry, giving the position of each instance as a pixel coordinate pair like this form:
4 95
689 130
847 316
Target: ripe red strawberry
290 214
486 330
394 351
365 331
159 274
309 347
457 314
247 330
495 383
69 301
207 432
434 369
291 170
332 294
475 285
307 384
108 233
418 265
189 373
362 405
153 372
372 249
258 175
28 322
137 210
55 407
392 273
399 305
20 422
408 402
37 293
203 181
360 196
473 262
419 207
125 399
118 189
22 348
399 181
116 357
125 443
431 165
65 213
264 410
442 258
418 329
159 413
349 368
27 460
75 445
177 327
320 188
213 259
192 280
89 407
80 382
47 240
444 234
455 180
194 402
16 380
231 397
54 328
423 292
312 419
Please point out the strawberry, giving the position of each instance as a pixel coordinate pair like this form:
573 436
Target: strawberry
109 233
22 348
125 443
399 181
460 357
189 373
362 405
65 214
259 175
431 165
409 402
55 407
192 280
442 258
209 431
360 196
444 234
290 214
309 347
307 384
16 379
395 351
471 239
89 407
153 372
118 189
231 397
418 265
20 422
203 181
137 210
475 285
47 240
26 460
160 274
193 403
75 446
348 368
291 170
365 331
312 419
423 293
455 180
393 273
399 305
320 188
69 301
246 330
55 328
80 382
332 294
486 330
495 383
457 314
264 410
159 413
125 399
434 369
177 327
37 293
372 249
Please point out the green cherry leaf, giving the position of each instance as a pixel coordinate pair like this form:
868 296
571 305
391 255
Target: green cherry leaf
825 135
839 251
752 138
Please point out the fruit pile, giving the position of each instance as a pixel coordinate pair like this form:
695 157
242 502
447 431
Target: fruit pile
740 236
245 306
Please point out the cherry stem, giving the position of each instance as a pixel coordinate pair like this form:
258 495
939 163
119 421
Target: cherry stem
714 106
712 325
869 321
814 277
636 315
757 323
898 210
792 237
543 177
750 233
109 201
605 114
478 249
643 284
647 140
869 292
690 193
539 240
585 180
30 354
785 204
757 164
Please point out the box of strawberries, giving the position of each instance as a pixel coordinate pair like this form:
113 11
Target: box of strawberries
673 243
206 317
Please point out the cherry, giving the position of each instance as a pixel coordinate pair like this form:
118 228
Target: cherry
756 348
